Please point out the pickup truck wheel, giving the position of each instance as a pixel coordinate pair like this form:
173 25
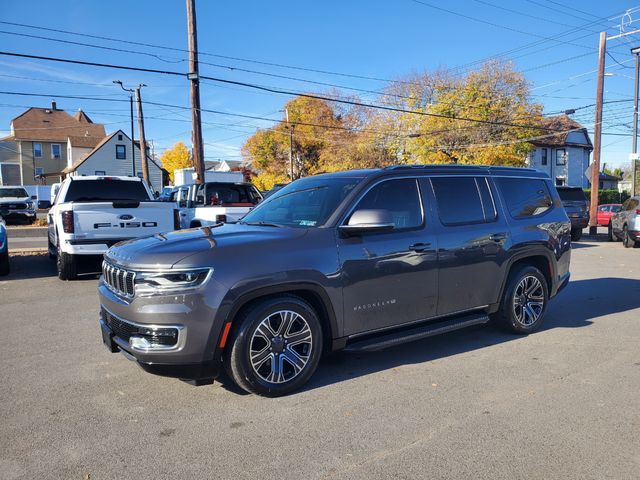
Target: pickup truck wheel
276 347
4 264
51 250
576 234
524 301
67 266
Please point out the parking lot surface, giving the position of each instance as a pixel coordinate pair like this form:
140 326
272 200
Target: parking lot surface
479 403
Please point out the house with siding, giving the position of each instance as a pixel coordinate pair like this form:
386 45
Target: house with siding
565 155
113 157
37 150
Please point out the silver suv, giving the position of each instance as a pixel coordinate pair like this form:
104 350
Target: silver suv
625 225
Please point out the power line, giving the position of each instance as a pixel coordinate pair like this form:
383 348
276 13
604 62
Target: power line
270 89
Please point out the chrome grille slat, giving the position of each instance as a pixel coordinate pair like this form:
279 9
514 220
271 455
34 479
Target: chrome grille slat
119 280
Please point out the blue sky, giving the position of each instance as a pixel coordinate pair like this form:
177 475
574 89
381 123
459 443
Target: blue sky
381 39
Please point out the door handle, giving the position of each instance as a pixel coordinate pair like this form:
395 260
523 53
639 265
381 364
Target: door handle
419 247
498 237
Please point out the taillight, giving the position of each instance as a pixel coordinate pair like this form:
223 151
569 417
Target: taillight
221 218
637 211
67 221
176 219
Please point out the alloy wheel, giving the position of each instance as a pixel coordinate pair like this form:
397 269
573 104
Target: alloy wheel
281 346
528 300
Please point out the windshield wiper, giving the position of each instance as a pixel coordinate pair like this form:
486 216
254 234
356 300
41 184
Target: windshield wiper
261 224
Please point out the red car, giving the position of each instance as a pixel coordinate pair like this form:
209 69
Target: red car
605 212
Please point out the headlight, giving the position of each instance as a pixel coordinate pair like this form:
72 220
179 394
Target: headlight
169 282
29 205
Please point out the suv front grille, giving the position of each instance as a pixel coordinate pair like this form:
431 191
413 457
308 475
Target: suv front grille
119 280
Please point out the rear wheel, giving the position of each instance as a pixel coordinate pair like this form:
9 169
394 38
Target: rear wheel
276 347
524 301
67 266
627 241
576 234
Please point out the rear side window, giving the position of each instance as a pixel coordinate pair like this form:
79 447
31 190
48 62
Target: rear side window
105 191
400 197
463 200
525 197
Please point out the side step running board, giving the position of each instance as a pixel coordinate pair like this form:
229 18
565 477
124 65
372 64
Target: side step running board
372 344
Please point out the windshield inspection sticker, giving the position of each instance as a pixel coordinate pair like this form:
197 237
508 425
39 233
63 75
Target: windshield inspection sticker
307 223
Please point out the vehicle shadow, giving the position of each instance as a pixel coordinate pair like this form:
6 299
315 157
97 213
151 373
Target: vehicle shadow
38 265
575 245
579 305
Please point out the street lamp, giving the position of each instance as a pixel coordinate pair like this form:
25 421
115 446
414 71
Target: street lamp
133 150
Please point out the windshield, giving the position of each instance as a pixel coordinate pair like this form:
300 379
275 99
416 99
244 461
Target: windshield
572 194
307 202
107 190
13 192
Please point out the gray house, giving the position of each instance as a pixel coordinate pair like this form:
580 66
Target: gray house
563 156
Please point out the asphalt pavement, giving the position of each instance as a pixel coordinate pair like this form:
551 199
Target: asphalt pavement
561 403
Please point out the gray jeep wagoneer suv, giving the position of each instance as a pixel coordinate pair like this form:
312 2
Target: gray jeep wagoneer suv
356 260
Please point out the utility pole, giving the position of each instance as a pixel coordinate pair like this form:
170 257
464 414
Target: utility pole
144 163
597 139
634 148
133 145
286 111
196 136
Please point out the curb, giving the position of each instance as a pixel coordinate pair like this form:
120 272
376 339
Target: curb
27 232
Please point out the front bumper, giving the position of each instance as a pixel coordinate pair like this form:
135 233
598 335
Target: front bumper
192 356
12 215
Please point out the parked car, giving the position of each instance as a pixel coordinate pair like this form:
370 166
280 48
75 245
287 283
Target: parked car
165 195
576 205
17 205
605 212
92 213
4 249
625 224
277 187
215 202
358 260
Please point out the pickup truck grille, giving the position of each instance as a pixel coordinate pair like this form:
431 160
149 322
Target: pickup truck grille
14 206
118 279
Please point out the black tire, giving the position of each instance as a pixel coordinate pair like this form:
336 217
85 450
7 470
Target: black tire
248 334
610 235
4 264
51 250
517 319
576 234
627 241
195 225
67 266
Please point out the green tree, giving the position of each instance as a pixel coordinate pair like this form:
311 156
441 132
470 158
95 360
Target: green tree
175 158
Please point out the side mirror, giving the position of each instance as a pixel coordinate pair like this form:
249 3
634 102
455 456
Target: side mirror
34 197
44 204
368 221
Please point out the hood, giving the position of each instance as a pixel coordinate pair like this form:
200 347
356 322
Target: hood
14 199
164 250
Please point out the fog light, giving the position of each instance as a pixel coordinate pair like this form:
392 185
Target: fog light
139 343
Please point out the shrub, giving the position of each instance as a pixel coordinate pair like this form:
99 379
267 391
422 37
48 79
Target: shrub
608 196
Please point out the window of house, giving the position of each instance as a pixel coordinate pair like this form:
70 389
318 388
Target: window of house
543 160
100 172
463 200
525 197
39 171
55 150
561 156
121 152
37 150
398 196
119 138
560 181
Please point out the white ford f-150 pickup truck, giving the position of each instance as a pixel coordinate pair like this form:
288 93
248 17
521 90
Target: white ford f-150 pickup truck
92 213
214 202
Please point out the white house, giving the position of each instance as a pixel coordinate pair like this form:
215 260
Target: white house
563 156
112 156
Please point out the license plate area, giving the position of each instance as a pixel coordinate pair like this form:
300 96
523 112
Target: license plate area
107 338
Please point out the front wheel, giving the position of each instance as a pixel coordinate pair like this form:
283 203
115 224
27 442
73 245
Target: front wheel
276 347
576 234
524 301
4 264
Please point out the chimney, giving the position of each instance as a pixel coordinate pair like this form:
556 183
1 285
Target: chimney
53 105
